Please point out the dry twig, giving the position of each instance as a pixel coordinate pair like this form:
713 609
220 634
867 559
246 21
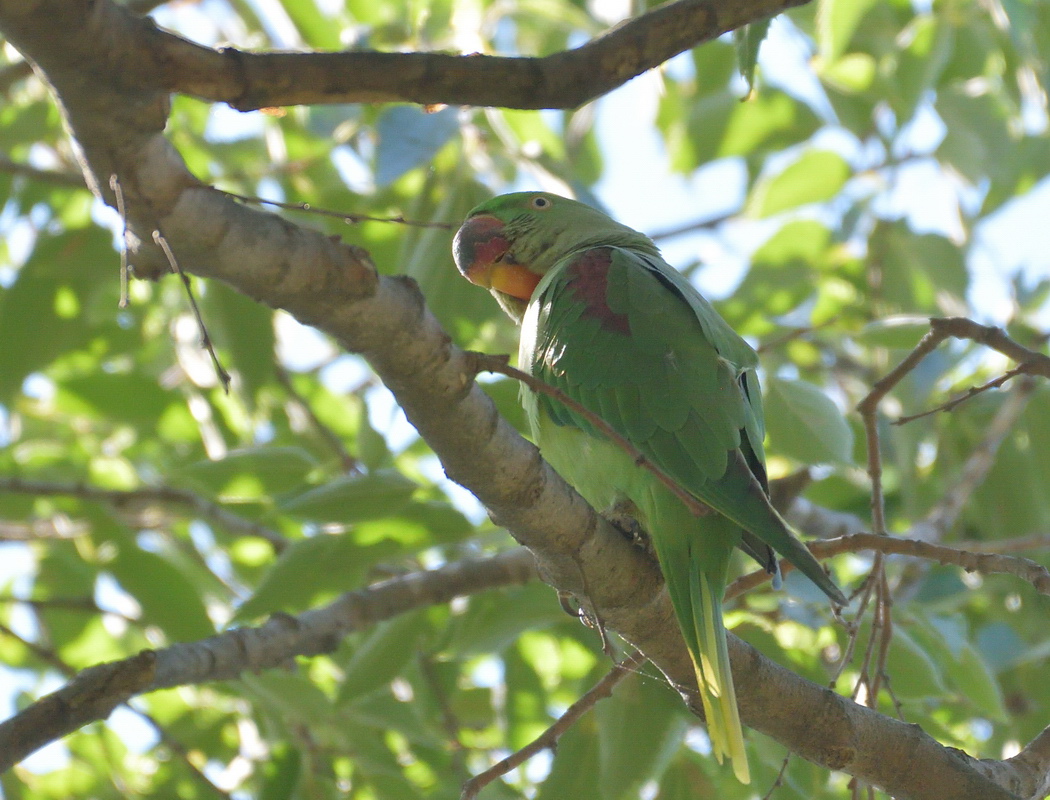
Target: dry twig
548 740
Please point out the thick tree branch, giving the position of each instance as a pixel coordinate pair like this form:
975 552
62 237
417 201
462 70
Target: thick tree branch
81 47
162 61
94 693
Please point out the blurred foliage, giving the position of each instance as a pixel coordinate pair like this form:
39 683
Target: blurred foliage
306 444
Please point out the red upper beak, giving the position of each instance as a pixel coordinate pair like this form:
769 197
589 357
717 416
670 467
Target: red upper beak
479 244
482 255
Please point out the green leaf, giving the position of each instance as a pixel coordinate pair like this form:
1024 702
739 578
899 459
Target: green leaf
913 672
804 424
168 597
901 332
309 571
243 328
639 728
41 313
837 22
977 683
408 138
747 40
684 780
252 472
928 49
715 65
279 772
576 770
816 177
782 276
920 273
352 498
493 620
720 125
318 30
527 708
131 397
382 654
459 305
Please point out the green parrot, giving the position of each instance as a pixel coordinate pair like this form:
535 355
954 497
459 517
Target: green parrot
608 322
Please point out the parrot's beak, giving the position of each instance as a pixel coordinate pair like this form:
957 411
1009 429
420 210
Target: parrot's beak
482 254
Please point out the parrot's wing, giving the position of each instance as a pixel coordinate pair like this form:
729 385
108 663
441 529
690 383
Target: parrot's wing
628 338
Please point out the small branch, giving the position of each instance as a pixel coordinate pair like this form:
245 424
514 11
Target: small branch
985 563
85 604
793 334
548 740
1034 763
488 363
349 219
121 498
691 227
118 196
973 391
980 461
206 342
182 753
57 527
330 437
51 657
780 777
74 180
93 693
1021 543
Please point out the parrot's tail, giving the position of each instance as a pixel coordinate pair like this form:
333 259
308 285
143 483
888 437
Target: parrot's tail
710 656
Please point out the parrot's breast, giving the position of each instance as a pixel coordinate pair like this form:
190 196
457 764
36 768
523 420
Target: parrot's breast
598 469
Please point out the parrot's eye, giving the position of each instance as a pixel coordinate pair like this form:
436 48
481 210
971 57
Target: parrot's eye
541 202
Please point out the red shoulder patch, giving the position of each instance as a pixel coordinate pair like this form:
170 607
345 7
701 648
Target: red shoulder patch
589 283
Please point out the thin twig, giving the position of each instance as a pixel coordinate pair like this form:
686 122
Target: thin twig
331 438
181 752
498 363
71 179
205 340
58 527
121 498
691 227
780 777
980 461
792 335
85 604
973 391
986 563
118 193
548 740
349 219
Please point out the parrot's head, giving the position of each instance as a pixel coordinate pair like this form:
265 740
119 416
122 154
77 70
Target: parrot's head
507 244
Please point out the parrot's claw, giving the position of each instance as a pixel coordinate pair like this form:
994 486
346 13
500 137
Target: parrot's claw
573 609
621 515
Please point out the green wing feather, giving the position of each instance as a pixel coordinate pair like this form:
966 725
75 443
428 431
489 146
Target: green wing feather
686 393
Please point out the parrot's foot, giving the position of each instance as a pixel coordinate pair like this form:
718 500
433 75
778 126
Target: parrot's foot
622 516
571 607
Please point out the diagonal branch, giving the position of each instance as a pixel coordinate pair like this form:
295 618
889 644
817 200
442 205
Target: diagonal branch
158 60
93 693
